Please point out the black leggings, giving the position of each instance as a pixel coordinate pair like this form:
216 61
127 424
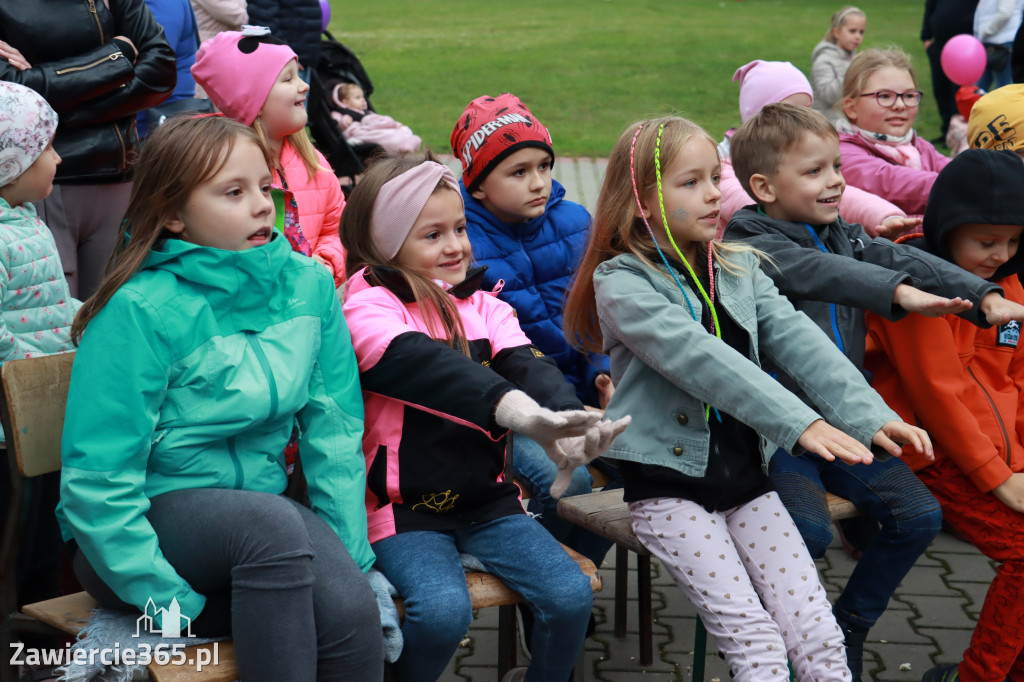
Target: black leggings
276 578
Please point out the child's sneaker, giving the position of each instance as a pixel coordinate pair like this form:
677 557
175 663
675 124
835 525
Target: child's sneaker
942 673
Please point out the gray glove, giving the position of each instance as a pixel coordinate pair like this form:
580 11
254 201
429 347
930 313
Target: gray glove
577 451
521 413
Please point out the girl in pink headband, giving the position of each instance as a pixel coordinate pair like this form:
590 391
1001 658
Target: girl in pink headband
446 372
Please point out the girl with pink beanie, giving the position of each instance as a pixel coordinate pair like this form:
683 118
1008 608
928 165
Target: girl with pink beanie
763 83
253 78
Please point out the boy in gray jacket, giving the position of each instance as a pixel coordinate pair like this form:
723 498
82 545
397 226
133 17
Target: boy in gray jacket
787 157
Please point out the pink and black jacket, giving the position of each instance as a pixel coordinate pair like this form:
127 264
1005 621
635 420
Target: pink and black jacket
435 458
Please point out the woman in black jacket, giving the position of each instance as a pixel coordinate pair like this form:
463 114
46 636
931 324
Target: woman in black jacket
97 67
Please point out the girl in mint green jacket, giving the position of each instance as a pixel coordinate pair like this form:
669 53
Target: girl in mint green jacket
207 344
685 322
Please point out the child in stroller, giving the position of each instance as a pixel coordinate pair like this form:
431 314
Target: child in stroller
361 125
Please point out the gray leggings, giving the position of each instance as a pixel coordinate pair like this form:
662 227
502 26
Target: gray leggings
276 578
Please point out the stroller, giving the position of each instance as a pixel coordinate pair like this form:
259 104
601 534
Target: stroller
337 62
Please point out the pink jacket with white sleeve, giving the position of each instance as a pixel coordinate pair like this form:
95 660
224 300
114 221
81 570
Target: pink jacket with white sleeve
320 202
435 458
908 188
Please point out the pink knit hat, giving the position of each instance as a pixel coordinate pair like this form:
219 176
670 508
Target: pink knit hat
764 83
238 69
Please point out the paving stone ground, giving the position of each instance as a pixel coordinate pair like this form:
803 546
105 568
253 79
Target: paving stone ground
928 622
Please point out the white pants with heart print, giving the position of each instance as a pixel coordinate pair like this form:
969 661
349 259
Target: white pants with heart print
754 585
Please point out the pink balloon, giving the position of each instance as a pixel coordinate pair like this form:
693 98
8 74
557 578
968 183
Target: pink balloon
964 59
326 14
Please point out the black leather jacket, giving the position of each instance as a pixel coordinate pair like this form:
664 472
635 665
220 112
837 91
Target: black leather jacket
89 78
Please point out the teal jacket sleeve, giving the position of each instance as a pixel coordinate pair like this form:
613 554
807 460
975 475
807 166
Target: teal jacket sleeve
652 323
331 427
118 383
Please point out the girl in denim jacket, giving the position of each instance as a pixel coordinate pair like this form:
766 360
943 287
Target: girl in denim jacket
684 320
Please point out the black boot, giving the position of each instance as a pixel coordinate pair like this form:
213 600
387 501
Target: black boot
855 637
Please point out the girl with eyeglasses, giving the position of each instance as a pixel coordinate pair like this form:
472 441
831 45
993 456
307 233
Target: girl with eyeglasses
881 151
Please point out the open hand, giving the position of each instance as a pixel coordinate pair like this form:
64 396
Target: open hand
1011 492
913 300
578 451
13 56
830 443
895 225
895 432
997 310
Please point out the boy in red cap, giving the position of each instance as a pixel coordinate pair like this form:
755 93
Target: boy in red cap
521 226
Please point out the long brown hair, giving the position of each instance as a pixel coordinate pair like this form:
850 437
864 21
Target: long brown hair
618 225
439 312
181 155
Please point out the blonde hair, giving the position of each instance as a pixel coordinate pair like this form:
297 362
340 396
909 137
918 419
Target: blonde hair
759 146
869 61
838 18
300 142
439 312
618 224
181 155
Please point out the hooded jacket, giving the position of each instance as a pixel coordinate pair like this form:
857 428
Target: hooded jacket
37 308
829 63
193 376
855 273
435 459
963 385
320 202
667 368
536 261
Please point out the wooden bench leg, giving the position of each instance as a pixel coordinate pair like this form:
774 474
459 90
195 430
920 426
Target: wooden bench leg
621 589
506 639
700 650
643 594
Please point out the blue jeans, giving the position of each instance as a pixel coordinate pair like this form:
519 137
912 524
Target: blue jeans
992 80
887 491
537 472
424 566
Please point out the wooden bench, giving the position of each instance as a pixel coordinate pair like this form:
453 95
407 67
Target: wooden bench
32 403
605 513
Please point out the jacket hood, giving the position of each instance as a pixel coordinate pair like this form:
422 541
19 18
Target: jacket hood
243 284
978 186
480 213
825 46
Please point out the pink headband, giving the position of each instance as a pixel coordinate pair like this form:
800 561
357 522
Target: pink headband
400 201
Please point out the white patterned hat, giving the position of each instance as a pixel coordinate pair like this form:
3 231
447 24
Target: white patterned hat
27 125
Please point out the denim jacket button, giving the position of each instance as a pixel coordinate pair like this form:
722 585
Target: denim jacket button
677 451
683 421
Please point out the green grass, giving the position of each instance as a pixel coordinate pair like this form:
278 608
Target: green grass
587 68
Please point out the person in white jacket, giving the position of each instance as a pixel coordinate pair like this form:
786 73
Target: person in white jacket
995 24
214 16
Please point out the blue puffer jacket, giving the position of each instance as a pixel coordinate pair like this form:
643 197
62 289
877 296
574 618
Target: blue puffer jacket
537 260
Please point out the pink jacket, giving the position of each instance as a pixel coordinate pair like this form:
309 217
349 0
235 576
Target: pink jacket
857 205
908 188
435 458
320 203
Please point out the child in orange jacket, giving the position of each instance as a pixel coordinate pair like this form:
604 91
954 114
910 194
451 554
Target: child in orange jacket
965 386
